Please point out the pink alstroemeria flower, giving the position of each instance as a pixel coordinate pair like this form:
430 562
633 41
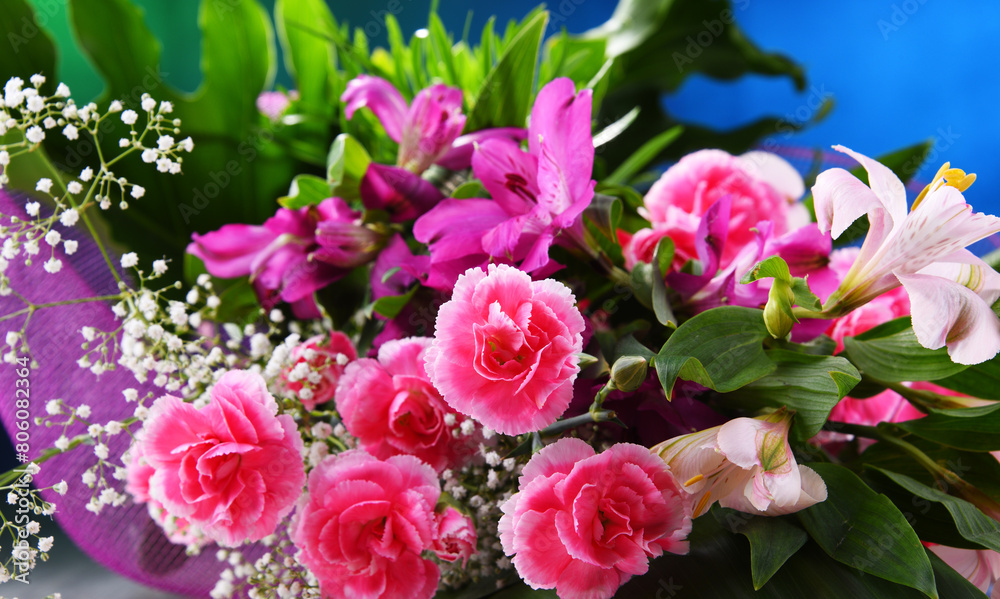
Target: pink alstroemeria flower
950 289
536 195
746 464
278 255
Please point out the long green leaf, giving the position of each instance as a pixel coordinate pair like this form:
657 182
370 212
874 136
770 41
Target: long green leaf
642 157
772 541
891 352
972 429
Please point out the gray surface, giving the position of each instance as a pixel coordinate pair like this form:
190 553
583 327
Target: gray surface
71 572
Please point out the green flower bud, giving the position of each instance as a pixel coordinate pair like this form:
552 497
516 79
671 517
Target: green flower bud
629 372
778 316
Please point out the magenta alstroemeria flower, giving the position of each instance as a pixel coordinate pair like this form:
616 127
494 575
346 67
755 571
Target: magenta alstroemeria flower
398 192
278 255
746 464
536 195
950 289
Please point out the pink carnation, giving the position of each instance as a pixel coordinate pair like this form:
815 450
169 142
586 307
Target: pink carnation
390 405
232 468
505 349
177 530
327 357
456 536
762 186
364 523
584 524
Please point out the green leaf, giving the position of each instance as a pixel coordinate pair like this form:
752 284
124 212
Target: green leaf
468 190
305 190
616 128
642 157
504 99
971 523
891 353
720 348
346 164
772 268
391 305
663 256
972 429
804 296
864 530
810 385
30 49
979 380
772 541
605 212
307 29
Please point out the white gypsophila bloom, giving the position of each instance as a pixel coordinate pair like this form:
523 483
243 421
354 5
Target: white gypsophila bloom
175 167
83 411
129 117
31 247
44 185
70 111
187 144
74 187
62 443
101 451
276 315
52 265
32 208
159 267
130 259
12 338
213 301
36 104
141 412
12 498
149 156
138 191
53 237
62 91
94 430
71 132
163 165
192 296
195 320
124 143
131 394
148 103
45 544
105 203
166 107
4 158
164 143
49 123
115 106
69 217
86 174
32 468
61 487
69 246
53 407
120 473
37 79
35 134
33 527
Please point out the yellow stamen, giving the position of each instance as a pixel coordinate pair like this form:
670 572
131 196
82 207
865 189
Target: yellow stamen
702 504
694 479
952 177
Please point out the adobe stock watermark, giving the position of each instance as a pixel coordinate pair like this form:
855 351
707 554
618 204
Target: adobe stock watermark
900 15
30 28
711 31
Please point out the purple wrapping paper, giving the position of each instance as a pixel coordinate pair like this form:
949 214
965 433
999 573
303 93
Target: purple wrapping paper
124 539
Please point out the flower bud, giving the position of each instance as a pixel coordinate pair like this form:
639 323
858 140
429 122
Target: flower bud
629 372
778 316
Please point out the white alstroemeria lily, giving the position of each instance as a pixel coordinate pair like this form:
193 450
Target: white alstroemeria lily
745 464
950 289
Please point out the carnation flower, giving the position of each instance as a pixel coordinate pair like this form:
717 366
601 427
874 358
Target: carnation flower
363 524
505 349
233 468
324 358
390 405
584 524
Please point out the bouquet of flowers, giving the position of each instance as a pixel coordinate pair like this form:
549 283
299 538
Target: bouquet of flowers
432 323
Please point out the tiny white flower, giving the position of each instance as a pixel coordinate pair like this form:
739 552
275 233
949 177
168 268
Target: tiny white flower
52 265
74 187
115 106
32 208
159 267
36 104
166 107
129 260
33 527
94 430
4 158
141 412
70 111
53 407
69 217
62 443
124 143
32 468
61 487
89 478
138 191
101 451
129 117
69 246
83 411
12 338
44 185
213 301
149 156
164 143
148 103
35 134
187 144
31 248
86 174
163 165
71 132
131 394
62 91
49 123
12 498
276 315
105 203
45 544
175 167
37 79
53 237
